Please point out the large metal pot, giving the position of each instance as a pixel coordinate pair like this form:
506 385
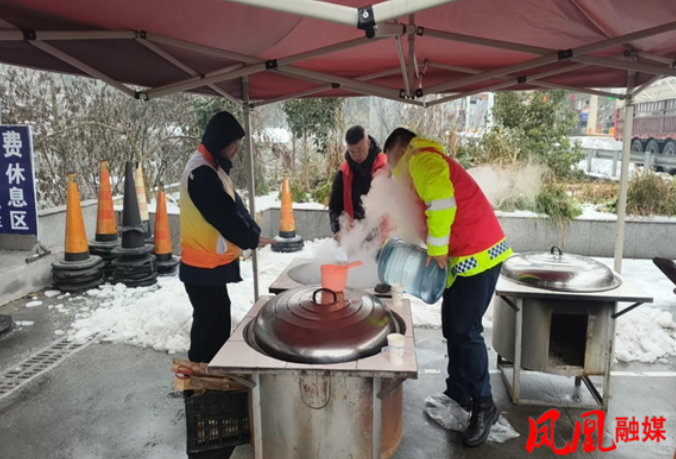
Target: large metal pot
558 271
315 325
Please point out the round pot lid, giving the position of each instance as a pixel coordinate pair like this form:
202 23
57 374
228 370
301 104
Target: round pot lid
559 271
315 325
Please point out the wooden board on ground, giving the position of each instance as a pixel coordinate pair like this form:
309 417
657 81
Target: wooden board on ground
199 379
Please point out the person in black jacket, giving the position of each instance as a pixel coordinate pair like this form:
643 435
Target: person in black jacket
215 226
363 159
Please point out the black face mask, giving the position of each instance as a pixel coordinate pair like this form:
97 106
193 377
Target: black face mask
225 164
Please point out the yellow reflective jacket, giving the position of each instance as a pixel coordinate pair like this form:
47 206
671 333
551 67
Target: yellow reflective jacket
458 219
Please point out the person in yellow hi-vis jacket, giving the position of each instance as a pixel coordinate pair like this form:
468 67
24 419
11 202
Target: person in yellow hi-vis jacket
462 232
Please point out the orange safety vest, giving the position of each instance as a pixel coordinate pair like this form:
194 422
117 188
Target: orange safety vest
202 246
473 239
379 163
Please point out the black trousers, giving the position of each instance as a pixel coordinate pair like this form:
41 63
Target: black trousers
210 321
463 307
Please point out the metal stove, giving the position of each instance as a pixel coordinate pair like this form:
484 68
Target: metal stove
320 385
555 313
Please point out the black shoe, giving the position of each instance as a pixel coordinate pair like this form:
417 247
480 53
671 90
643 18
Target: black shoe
484 415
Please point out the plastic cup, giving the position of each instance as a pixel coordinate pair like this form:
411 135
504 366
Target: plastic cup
395 347
397 294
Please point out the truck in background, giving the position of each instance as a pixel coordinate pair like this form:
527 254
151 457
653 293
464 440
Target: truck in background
654 127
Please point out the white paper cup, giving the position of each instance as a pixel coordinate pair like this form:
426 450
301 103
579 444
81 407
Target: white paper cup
395 348
397 294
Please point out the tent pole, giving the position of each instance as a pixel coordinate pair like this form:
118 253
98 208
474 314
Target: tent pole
251 176
208 50
324 88
49 49
354 85
70 35
665 60
576 54
593 92
627 130
411 56
402 63
646 85
347 84
169 58
511 82
469 39
625 65
261 66
531 81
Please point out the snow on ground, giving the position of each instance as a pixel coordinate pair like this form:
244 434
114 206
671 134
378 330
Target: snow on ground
160 317
602 168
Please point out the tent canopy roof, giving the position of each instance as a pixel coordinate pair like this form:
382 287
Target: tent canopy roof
156 46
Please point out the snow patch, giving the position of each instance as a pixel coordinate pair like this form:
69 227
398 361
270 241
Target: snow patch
33 304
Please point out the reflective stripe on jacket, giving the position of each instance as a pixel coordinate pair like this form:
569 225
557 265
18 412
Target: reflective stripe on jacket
458 218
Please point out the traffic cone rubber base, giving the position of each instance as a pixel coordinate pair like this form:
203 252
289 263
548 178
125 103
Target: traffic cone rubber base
65 275
133 262
141 283
167 264
104 250
139 251
79 287
288 245
93 262
78 281
103 246
135 271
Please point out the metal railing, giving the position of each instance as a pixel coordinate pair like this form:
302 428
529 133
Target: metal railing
646 158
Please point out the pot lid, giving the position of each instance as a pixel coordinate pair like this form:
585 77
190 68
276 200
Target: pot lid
559 271
315 325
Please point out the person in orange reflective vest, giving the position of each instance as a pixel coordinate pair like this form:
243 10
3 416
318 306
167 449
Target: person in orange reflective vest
462 232
363 159
215 226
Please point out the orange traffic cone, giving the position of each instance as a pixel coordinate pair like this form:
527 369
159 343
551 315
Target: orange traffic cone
78 270
143 203
106 225
287 241
166 261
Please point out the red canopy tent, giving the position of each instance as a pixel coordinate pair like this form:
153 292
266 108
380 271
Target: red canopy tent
262 51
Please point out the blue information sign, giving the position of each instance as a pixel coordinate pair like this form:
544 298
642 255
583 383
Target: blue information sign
18 199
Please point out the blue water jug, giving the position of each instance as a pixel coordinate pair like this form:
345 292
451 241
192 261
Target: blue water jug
403 263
